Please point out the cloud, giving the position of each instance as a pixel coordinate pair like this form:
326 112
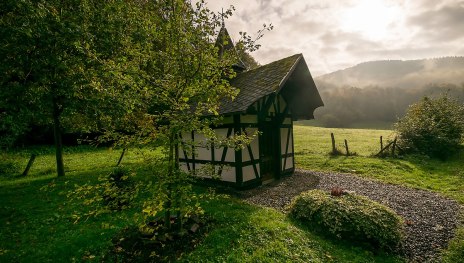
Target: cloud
319 30
443 24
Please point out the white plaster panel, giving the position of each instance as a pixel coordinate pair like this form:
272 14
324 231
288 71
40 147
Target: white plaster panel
230 157
202 153
287 120
254 145
221 133
271 110
228 174
218 153
288 164
249 173
182 153
290 143
283 139
245 155
198 137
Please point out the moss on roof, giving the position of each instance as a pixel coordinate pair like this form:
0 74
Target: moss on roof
259 82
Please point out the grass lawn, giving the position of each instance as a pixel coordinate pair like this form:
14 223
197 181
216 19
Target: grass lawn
37 223
313 144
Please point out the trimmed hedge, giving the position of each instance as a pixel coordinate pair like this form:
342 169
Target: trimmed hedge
349 216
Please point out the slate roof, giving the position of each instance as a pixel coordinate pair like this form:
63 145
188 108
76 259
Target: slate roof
259 82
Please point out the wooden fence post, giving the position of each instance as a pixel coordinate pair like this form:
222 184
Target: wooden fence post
393 147
334 150
346 146
384 148
381 142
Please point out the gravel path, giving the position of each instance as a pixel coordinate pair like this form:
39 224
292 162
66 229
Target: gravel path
431 218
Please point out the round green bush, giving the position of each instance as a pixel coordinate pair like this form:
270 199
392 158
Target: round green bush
434 127
349 216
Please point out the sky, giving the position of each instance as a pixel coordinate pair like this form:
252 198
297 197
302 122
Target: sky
336 34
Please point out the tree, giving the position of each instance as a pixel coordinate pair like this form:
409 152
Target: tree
249 61
142 72
432 126
54 59
183 80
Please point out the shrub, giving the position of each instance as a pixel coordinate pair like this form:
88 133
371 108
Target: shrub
8 166
114 192
434 127
349 216
118 189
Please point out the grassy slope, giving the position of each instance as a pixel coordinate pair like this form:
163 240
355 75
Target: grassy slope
36 215
250 234
313 144
36 223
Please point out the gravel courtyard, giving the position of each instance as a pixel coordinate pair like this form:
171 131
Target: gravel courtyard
431 218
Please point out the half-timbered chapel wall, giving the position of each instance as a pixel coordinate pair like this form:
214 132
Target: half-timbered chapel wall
281 114
242 167
286 140
203 153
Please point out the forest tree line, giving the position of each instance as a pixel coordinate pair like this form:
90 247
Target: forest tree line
347 105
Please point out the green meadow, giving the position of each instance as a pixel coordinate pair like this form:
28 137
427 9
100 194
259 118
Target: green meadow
38 223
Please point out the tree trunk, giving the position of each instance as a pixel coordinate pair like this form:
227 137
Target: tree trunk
57 136
176 167
171 166
29 164
122 156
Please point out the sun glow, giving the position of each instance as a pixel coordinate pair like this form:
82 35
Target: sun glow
371 18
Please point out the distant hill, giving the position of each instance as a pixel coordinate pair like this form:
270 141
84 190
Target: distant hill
396 73
381 91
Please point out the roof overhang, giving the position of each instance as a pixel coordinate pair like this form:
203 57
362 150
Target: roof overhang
289 77
300 92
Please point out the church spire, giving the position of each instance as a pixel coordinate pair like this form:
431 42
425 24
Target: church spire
222 17
224 43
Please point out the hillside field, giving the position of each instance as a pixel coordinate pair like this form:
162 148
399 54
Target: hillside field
313 144
37 222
